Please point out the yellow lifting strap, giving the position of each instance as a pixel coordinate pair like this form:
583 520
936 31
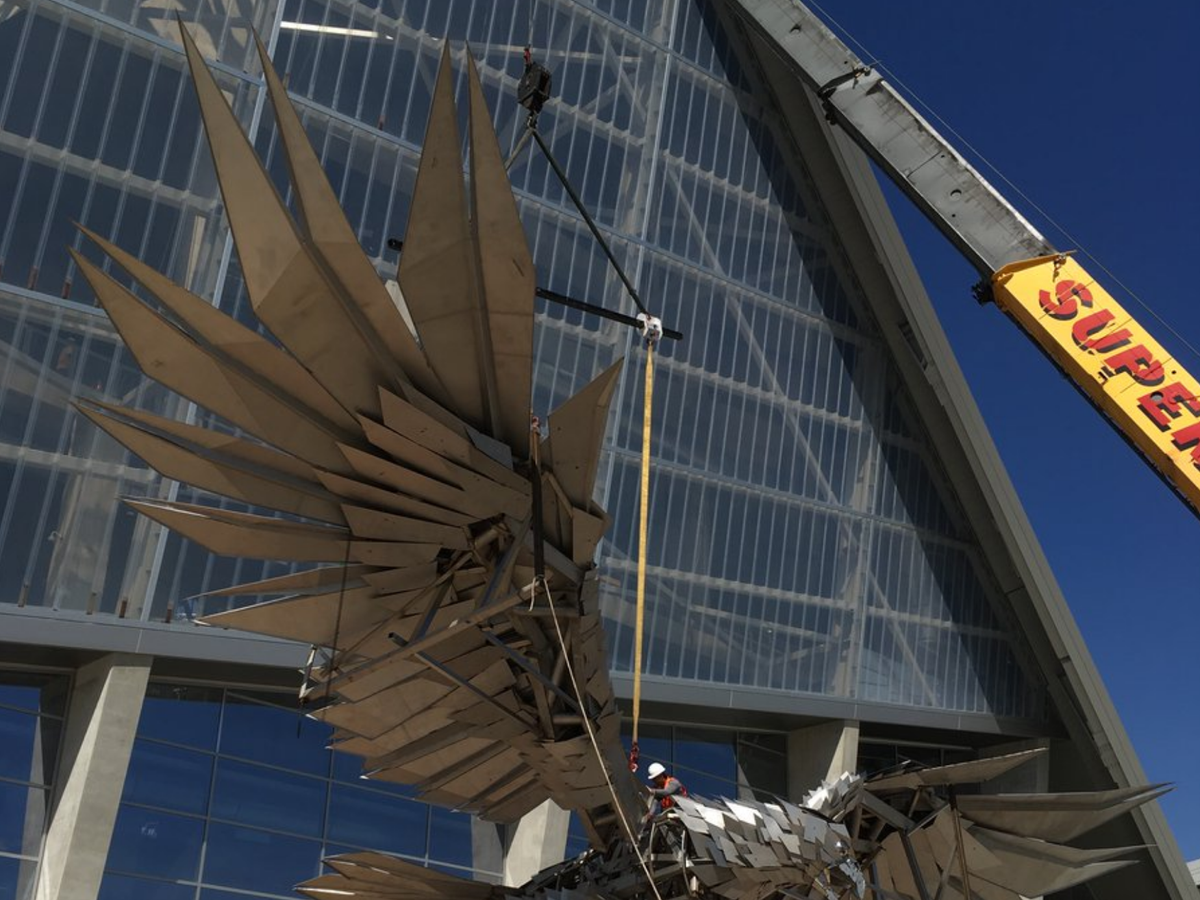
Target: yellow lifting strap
643 537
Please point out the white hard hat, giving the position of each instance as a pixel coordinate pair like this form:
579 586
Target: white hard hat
656 769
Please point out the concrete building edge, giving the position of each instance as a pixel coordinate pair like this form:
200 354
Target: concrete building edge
872 239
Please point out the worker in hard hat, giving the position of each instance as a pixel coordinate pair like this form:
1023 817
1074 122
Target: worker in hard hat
664 788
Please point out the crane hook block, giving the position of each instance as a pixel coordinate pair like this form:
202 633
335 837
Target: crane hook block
533 90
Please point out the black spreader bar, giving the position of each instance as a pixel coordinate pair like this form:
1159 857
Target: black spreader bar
564 300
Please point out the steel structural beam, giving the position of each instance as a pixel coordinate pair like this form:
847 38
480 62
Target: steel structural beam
948 189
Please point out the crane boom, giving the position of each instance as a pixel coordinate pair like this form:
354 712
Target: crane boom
1148 396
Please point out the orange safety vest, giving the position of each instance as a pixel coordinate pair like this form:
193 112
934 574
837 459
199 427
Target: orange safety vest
668 801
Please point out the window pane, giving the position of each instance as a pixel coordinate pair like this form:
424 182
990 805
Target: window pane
705 762
258 860
181 714
36 693
762 765
147 842
17 878
377 821
168 777
450 837
29 745
22 818
254 795
127 887
274 735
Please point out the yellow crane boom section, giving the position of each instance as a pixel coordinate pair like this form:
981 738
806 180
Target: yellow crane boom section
1149 395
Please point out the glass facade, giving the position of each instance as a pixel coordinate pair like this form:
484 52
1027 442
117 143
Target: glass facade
31 718
803 539
234 793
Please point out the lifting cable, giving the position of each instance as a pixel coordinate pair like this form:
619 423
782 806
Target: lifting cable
643 541
532 92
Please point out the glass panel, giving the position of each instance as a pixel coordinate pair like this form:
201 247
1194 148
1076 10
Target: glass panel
181 714
22 818
18 878
706 762
168 777
272 734
30 746
46 694
128 887
762 765
363 818
149 842
450 837
255 795
256 860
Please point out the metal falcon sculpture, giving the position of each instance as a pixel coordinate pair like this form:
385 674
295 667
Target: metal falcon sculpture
455 596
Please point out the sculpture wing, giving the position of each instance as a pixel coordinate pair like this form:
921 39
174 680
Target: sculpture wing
402 462
1013 845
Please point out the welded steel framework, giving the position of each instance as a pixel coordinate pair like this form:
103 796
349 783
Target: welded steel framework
802 539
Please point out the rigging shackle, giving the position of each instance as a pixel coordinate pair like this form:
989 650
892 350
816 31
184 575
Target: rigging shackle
651 328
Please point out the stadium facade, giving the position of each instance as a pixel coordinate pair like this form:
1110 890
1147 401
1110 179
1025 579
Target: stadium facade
840 573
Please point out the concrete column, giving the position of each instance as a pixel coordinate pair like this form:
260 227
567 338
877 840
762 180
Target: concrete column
820 753
537 841
101 722
487 845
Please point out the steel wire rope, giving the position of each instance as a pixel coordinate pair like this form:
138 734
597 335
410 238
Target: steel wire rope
1062 230
587 725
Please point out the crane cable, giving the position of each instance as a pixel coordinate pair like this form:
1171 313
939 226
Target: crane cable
643 540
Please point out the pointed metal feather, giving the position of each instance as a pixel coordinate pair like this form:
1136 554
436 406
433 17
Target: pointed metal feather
577 431
506 274
242 534
308 581
289 293
437 266
216 444
225 336
175 360
174 461
309 618
325 225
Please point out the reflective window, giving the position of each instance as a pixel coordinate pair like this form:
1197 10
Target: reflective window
31 709
258 860
170 777
130 887
18 877
22 818
360 817
257 795
181 714
151 842
235 791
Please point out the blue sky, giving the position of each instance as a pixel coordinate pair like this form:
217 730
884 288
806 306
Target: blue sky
1091 110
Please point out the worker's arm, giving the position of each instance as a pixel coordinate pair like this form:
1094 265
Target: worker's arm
671 787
